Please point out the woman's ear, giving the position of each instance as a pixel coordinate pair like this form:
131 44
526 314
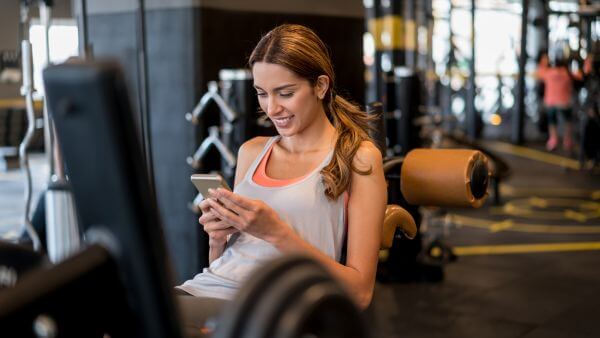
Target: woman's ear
321 86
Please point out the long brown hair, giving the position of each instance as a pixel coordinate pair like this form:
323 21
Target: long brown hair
300 50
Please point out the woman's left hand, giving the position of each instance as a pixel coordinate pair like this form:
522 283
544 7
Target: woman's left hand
252 216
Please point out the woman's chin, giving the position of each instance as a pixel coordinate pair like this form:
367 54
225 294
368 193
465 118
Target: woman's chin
285 132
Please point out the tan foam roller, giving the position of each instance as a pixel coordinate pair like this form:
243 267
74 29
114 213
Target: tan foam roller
442 177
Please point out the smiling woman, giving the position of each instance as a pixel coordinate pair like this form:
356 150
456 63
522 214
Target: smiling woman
317 186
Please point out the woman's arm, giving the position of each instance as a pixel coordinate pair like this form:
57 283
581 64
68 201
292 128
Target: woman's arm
217 235
366 209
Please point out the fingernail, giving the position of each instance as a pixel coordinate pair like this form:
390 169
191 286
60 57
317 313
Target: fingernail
211 190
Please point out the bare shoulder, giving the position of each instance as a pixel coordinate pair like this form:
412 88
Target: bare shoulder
254 145
246 155
367 157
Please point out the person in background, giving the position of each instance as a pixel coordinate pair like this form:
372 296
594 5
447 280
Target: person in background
558 99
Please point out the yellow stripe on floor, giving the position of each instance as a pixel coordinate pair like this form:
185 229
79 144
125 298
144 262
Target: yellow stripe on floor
533 154
511 191
524 248
510 225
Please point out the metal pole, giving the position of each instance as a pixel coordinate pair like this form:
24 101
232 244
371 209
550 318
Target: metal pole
373 90
410 31
45 14
27 91
432 88
143 97
471 114
448 92
519 111
84 47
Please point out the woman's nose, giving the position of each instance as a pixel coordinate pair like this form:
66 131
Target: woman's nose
272 106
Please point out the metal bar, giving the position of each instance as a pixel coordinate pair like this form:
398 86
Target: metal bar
470 100
519 111
410 32
27 92
447 99
143 94
84 48
49 140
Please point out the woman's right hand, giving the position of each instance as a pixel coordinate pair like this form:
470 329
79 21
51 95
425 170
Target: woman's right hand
217 231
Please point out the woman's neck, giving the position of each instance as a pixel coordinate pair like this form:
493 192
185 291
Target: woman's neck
319 136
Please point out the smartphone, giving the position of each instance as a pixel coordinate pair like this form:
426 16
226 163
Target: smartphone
203 182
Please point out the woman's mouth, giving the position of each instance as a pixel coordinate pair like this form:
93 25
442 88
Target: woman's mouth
283 122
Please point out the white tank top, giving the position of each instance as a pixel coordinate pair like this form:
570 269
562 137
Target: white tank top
302 205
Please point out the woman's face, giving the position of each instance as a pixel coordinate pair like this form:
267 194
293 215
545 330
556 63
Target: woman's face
289 100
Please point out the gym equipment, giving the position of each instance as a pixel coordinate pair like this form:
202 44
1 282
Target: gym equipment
377 124
62 230
499 169
211 95
228 117
415 180
237 89
27 91
419 180
127 273
301 300
589 110
395 218
15 261
407 91
463 176
213 139
239 121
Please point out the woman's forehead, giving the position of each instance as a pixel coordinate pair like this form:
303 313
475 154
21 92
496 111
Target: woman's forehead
268 74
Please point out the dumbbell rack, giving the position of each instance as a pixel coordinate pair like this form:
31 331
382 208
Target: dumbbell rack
216 134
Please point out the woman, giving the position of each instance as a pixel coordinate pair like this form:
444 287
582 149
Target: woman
558 93
317 184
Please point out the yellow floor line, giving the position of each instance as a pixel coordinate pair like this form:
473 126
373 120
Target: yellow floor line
508 190
460 220
524 248
534 154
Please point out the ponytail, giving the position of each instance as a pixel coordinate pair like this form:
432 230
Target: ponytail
352 126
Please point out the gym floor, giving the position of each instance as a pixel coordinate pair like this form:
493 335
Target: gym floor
527 267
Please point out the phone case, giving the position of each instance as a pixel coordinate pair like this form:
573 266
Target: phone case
203 182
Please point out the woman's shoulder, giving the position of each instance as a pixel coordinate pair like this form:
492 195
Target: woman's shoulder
247 154
251 148
367 156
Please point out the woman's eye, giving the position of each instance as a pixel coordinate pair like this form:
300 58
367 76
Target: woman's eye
287 94
259 94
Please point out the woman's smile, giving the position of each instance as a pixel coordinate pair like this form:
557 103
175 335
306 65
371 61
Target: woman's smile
283 122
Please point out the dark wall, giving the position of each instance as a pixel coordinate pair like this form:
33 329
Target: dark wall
172 79
343 35
186 47
114 36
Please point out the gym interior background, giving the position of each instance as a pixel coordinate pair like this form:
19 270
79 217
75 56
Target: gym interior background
447 74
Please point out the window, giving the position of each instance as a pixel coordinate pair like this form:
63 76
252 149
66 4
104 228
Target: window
63 41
